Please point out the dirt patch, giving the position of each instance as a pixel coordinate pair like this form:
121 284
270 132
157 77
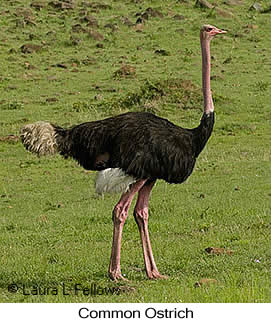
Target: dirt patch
206 282
96 5
77 28
150 12
51 100
10 139
95 35
218 251
38 5
62 5
23 12
30 48
90 20
124 71
24 16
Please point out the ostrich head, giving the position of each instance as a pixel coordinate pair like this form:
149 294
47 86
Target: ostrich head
207 32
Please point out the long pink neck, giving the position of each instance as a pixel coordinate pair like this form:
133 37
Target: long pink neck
206 73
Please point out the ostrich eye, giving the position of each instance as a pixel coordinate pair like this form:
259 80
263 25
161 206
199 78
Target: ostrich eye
209 29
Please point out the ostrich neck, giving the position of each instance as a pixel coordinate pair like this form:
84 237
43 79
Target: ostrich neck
206 73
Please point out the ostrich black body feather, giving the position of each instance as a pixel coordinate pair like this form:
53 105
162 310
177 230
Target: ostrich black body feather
142 144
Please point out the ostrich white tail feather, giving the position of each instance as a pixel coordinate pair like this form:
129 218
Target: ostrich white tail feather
39 138
113 180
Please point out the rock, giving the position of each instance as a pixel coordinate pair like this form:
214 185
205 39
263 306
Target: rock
61 65
25 17
203 4
88 61
78 29
38 5
125 71
256 7
233 2
149 12
30 48
161 52
23 12
91 21
67 5
51 100
62 5
54 4
154 12
219 11
178 17
30 20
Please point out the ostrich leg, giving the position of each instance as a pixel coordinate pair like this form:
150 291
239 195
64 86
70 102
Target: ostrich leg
141 215
120 214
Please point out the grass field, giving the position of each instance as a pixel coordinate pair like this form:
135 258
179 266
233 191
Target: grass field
70 62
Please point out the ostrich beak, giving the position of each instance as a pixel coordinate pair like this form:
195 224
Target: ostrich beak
220 31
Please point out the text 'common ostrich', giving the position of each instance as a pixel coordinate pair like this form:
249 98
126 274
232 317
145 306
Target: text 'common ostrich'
131 151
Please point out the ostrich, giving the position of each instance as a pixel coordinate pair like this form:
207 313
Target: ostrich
131 151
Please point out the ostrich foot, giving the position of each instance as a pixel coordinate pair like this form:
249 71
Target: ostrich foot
154 274
117 276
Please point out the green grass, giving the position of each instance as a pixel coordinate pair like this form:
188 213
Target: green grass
55 231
